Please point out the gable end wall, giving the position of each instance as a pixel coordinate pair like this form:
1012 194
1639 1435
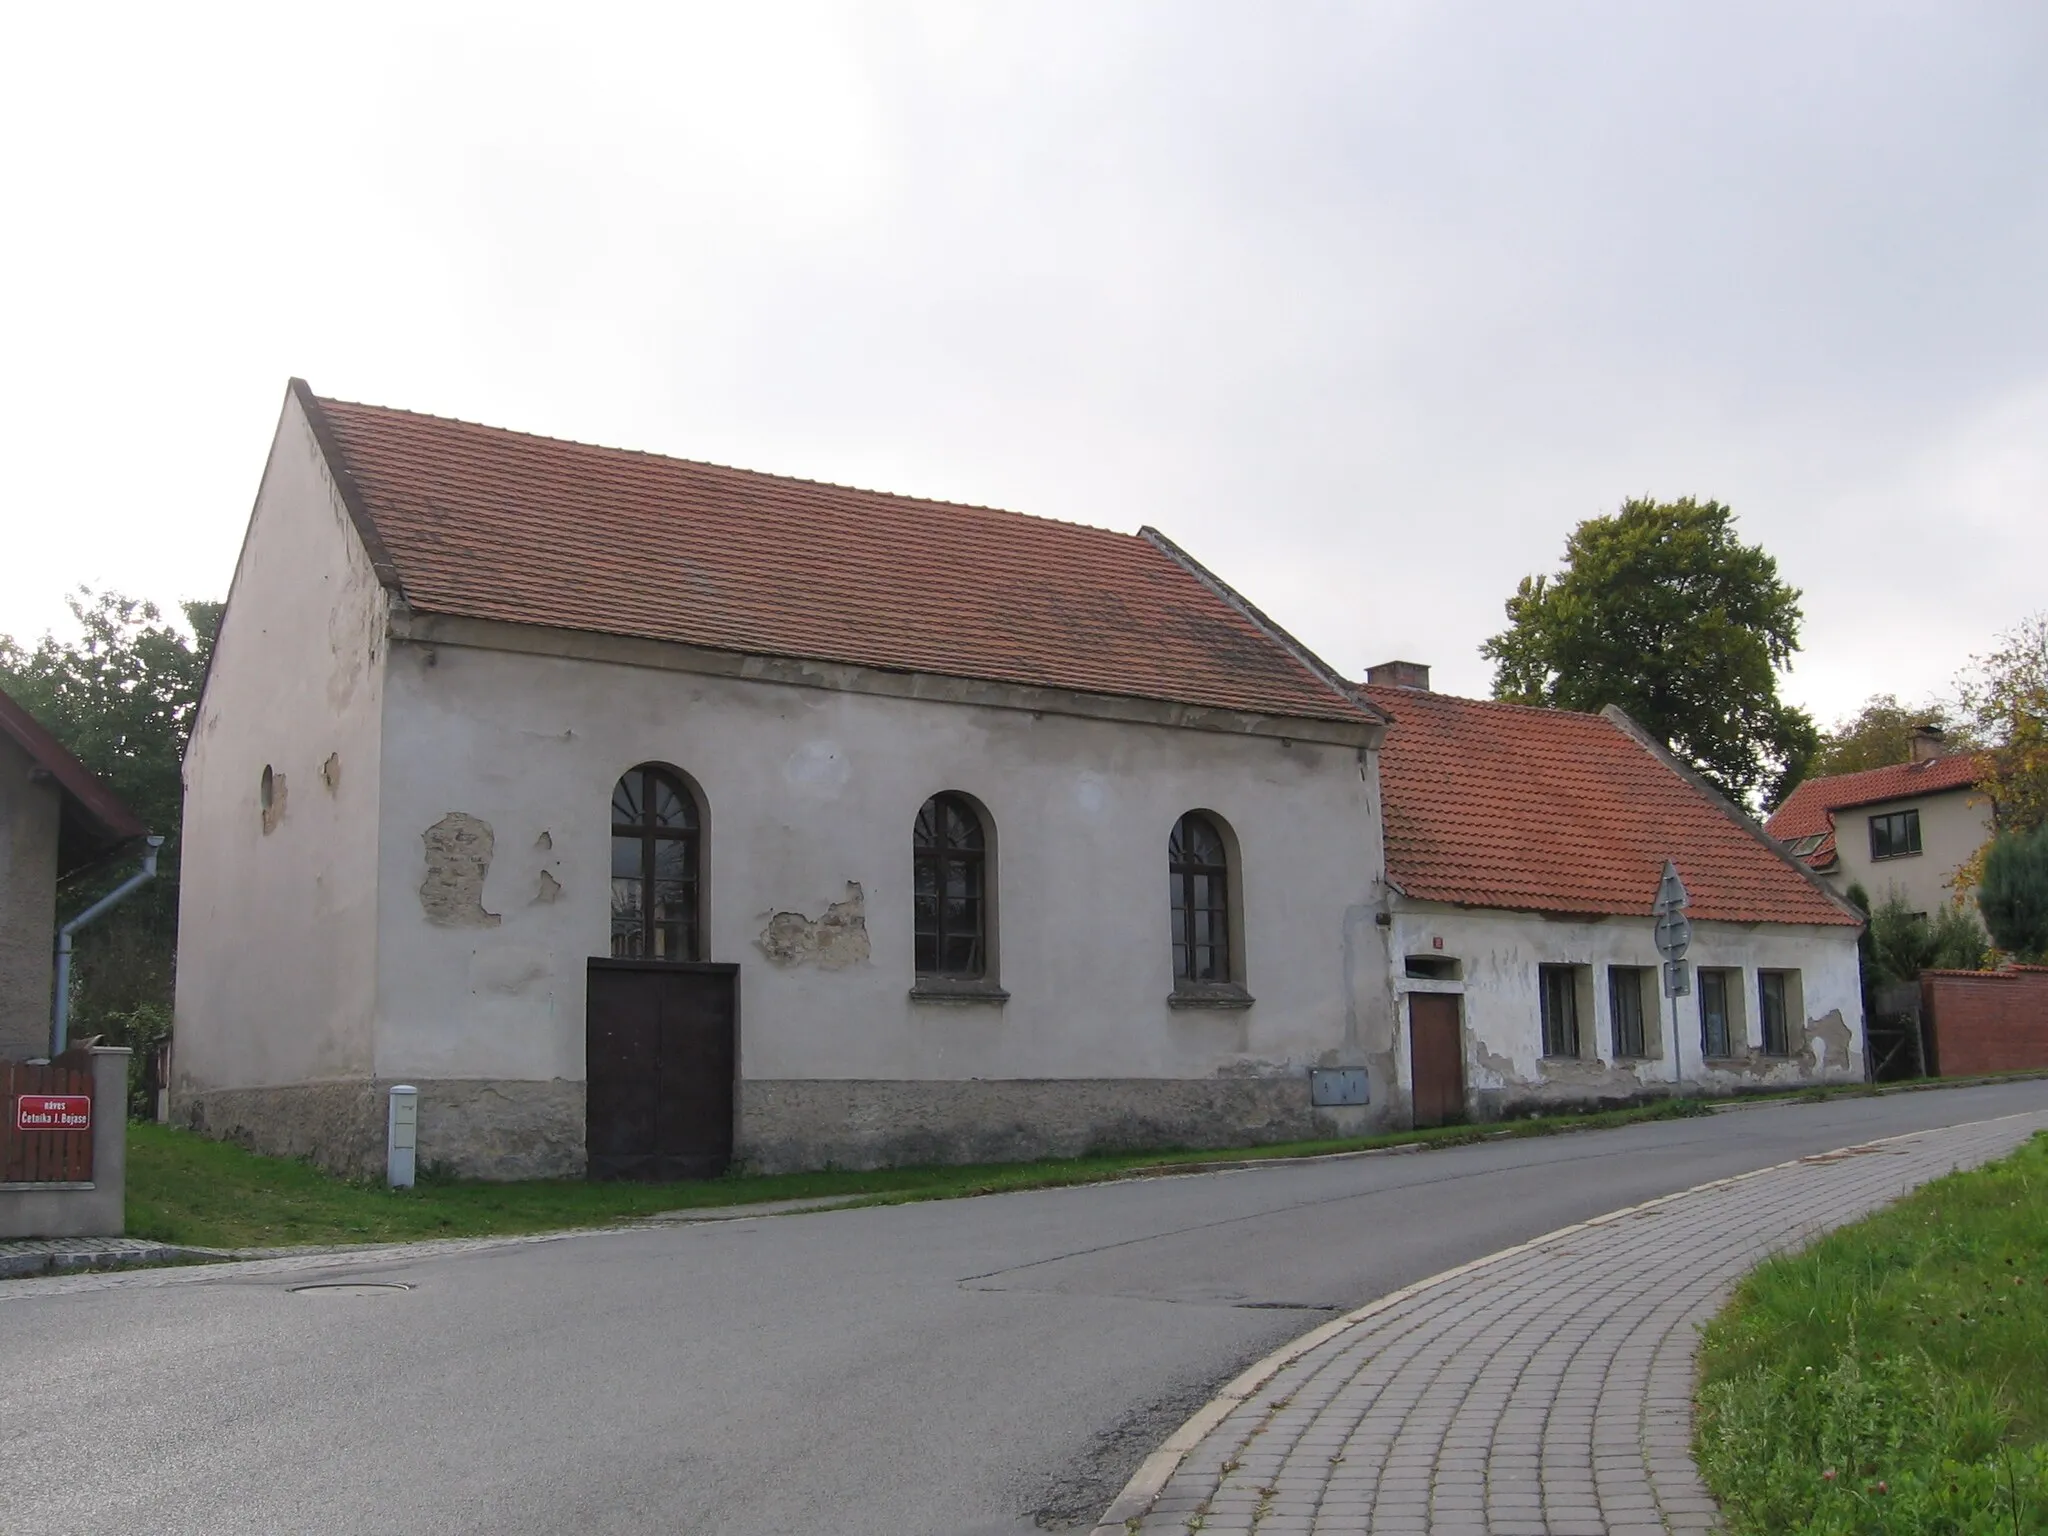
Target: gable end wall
277 909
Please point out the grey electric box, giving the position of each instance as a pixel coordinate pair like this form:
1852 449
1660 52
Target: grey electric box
1333 1087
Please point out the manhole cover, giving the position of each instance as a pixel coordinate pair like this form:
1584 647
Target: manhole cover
351 1288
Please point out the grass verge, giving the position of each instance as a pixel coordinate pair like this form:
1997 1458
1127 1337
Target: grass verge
183 1188
1893 1377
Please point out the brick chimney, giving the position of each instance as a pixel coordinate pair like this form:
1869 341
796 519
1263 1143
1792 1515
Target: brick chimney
1399 674
1928 741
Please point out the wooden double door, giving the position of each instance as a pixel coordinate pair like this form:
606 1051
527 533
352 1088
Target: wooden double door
1436 1055
662 1053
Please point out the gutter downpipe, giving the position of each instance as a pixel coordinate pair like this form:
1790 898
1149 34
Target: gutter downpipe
60 1012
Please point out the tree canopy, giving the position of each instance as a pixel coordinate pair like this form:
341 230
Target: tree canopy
122 696
1881 734
2008 703
1664 611
2014 895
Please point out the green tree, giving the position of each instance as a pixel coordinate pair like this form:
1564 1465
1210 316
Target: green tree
122 697
2007 700
1881 734
2014 895
1662 610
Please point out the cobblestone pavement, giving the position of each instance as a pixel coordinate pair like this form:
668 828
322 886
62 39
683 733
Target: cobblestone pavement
1544 1391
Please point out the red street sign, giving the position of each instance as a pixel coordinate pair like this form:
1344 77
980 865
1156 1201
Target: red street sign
53 1112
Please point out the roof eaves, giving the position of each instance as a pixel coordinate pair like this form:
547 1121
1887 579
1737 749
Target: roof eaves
1618 717
115 822
1322 670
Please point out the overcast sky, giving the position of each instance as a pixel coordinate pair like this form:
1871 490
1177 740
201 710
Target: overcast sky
1365 305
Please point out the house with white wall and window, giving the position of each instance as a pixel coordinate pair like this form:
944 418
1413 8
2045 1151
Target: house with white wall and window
1524 851
648 816
1900 831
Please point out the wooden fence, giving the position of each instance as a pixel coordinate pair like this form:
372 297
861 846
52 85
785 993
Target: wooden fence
40 1156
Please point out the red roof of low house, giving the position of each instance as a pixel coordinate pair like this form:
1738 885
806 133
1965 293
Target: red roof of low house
1549 810
1810 808
93 821
483 523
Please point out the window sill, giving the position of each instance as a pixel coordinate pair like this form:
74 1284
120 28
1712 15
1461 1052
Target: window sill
957 989
1227 994
1886 858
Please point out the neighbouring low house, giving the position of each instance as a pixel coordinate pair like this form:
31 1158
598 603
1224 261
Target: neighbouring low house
57 819
647 815
1524 850
1900 831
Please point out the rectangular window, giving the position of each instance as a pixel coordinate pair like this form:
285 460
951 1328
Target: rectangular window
1774 1001
1895 835
1625 984
1718 989
1559 988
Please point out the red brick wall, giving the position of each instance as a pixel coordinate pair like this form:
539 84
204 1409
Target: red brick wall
1986 1021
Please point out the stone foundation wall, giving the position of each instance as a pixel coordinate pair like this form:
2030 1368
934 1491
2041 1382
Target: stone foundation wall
472 1129
790 1125
531 1130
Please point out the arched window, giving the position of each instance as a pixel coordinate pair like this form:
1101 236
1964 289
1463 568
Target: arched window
656 842
1198 866
950 854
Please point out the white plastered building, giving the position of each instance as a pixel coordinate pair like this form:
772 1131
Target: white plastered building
647 816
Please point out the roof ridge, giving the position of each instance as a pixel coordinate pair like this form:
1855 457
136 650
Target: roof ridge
1919 765
728 469
1550 710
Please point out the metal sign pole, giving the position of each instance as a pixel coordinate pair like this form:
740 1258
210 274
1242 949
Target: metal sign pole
1674 936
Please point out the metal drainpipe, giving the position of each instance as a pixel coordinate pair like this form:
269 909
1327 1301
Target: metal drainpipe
60 1013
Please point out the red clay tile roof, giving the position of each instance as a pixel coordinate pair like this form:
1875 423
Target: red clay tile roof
483 523
1810 807
93 821
1547 810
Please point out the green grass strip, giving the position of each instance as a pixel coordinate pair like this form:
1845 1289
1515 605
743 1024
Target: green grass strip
183 1188
1893 1377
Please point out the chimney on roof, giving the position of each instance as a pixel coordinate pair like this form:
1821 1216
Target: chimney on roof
1928 741
1399 674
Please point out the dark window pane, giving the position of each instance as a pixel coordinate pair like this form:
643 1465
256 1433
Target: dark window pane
947 854
672 805
1714 1030
654 909
626 800
1198 886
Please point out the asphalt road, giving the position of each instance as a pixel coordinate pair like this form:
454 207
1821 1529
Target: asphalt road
978 1367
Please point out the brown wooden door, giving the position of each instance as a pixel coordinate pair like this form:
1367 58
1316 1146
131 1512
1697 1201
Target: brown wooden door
1436 1048
661 1041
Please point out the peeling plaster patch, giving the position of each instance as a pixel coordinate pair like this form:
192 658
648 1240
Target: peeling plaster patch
1502 1067
548 891
1828 1044
836 939
330 772
458 857
545 842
